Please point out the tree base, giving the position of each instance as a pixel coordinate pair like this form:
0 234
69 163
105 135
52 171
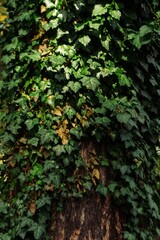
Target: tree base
90 218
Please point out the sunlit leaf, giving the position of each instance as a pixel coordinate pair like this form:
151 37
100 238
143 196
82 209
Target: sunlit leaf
85 40
99 10
43 9
75 86
48 3
116 14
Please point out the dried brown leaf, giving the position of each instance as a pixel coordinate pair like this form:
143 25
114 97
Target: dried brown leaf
32 207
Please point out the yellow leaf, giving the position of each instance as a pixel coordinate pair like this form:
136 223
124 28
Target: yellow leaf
89 111
11 162
43 8
78 187
42 48
65 139
83 121
2 18
54 127
43 22
94 182
94 161
60 132
58 111
64 123
96 173
38 36
49 187
23 140
78 116
63 132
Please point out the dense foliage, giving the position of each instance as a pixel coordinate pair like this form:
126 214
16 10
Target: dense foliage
79 71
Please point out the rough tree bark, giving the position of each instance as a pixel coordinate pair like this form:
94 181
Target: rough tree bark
93 217
90 218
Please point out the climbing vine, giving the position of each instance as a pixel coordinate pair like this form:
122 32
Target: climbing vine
78 71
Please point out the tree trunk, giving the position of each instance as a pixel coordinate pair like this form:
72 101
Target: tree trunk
92 217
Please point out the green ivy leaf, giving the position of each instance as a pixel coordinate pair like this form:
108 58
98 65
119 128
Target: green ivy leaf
74 86
3 207
46 135
33 141
158 231
85 40
66 50
1 84
5 236
22 32
124 169
105 121
102 189
70 112
36 170
59 149
124 80
88 185
106 43
123 117
69 148
38 230
105 162
8 58
35 56
30 123
116 14
44 200
99 10
95 25
81 100
55 179
48 165
109 104
144 30
112 186
49 4
53 23
90 82
77 132
57 60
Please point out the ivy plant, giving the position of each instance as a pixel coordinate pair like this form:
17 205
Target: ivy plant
76 71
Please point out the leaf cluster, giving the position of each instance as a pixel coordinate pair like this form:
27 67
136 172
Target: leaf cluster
75 72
